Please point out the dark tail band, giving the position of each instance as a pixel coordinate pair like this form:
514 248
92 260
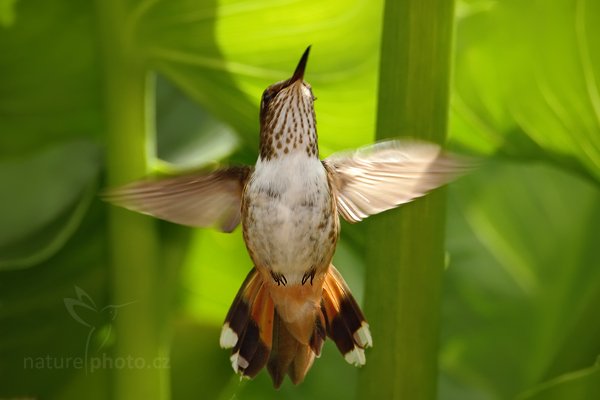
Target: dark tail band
248 327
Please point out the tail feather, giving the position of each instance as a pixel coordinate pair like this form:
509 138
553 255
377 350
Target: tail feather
284 350
304 359
239 312
288 356
260 347
259 336
248 327
346 324
319 334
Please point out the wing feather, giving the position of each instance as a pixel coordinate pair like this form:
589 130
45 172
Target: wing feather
382 176
201 199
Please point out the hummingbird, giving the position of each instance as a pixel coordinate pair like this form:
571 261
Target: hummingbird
289 205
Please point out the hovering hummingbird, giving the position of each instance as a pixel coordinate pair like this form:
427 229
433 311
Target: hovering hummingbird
289 205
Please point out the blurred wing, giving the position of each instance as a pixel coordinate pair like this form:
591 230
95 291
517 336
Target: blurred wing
382 176
202 199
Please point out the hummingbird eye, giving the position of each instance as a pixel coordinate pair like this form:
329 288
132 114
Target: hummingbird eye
267 96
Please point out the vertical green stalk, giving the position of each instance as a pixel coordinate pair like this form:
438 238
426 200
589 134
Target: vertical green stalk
405 252
139 365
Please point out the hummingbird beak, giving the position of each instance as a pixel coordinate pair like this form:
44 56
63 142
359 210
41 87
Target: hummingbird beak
299 72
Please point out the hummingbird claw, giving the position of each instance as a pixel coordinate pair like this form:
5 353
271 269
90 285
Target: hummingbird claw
310 274
280 279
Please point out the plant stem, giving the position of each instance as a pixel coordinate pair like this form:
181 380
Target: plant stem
133 239
405 252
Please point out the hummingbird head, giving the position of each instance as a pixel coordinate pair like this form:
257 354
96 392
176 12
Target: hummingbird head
287 116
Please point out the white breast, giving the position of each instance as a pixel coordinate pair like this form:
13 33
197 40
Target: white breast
289 215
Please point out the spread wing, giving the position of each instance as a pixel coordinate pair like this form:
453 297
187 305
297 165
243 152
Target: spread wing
382 176
201 199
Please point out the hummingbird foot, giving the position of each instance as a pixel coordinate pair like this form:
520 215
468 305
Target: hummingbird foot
310 274
280 279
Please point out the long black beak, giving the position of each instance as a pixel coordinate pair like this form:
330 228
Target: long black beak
299 72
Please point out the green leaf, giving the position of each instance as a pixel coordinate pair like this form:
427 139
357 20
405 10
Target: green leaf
187 136
47 103
579 385
523 279
226 66
530 90
51 90
7 13
35 322
45 198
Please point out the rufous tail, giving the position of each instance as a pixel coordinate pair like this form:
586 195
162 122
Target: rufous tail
259 337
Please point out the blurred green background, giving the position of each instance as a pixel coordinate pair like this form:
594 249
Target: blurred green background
522 285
